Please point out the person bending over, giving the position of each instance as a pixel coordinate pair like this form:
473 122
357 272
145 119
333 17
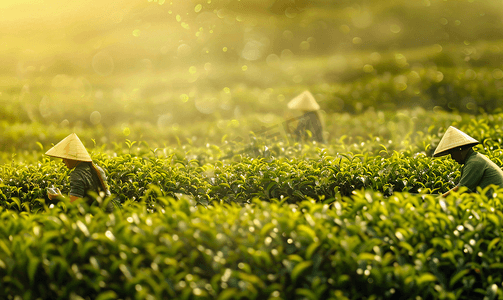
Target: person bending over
477 170
85 176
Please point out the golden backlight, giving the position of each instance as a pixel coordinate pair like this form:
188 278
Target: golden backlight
103 62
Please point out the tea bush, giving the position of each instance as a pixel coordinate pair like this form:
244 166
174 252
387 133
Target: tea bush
264 219
359 247
239 179
264 169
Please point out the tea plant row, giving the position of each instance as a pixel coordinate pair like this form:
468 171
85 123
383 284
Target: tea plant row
397 130
239 179
358 247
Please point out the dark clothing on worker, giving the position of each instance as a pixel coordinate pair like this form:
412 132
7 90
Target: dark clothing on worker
310 121
480 171
84 179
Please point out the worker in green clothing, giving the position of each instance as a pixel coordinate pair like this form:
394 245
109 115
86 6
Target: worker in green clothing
477 170
85 177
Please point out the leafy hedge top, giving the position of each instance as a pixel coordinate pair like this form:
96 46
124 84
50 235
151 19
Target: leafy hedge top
264 169
361 246
291 179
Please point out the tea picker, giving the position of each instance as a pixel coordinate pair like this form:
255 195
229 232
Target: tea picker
85 176
310 119
477 170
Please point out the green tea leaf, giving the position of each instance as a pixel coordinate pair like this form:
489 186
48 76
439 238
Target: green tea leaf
493 243
425 277
305 293
458 276
107 295
299 268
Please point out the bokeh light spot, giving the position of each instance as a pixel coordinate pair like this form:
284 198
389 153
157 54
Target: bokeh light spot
401 60
287 34
272 60
184 50
198 8
224 49
290 12
234 123
95 117
192 70
136 32
470 74
395 28
375 57
126 131
184 97
368 68
221 13
287 54
344 29
227 90
304 45
497 74
357 40
252 50
244 68
206 105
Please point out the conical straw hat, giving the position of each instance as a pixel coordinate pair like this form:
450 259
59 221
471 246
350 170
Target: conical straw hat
453 138
70 148
304 101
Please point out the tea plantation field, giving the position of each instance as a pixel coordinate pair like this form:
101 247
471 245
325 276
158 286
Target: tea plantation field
258 217
184 104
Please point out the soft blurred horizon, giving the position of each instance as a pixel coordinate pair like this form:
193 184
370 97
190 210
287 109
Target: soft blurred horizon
63 61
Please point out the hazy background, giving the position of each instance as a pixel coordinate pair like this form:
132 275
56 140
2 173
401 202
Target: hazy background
173 63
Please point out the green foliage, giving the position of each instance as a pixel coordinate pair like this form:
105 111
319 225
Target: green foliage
361 246
267 169
261 219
